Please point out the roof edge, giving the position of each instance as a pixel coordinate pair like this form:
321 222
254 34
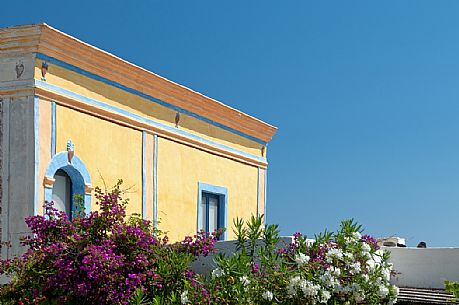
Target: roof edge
45 39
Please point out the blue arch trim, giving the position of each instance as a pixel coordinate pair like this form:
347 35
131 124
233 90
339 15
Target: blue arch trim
77 172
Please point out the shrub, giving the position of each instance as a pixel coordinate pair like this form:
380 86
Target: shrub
100 258
336 268
105 257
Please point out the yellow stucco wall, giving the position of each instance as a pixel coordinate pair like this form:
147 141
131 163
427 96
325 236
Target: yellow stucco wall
113 96
179 170
109 151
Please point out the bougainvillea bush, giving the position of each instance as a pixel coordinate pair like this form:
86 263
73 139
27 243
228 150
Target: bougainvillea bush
106 257
100 258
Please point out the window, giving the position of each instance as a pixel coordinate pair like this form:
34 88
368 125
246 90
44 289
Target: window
62 192
212 208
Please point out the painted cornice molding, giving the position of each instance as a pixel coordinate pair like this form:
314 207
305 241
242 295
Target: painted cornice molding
42 38
49 95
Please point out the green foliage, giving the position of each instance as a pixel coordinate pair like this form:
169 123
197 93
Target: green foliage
453 288
106 257
340 267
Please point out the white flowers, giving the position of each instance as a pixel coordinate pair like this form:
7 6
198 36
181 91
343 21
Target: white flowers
345 267
301 259
291 288
334 254
366 247
308 288
184 297
244 280
385 274
356 267
267 295
324 296
383 291
217 272
329 278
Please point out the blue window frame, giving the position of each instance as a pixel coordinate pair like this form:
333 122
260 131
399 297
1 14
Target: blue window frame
212 208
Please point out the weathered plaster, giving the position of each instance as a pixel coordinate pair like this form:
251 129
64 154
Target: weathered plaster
21 168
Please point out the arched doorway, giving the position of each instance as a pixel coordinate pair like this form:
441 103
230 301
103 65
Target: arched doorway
62 192
64 179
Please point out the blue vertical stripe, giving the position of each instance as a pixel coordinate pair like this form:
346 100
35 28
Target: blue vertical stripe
144 175
155 181
36 123
53 129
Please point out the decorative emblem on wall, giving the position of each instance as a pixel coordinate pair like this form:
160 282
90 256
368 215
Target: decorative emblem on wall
177 119
70 150
19 69
44 69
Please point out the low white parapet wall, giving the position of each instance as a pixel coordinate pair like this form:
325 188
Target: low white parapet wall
204 265
424 267
415 267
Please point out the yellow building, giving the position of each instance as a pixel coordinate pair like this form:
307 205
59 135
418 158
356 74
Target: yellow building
74 117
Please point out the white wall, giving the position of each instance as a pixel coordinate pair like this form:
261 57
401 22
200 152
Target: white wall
204 265
424 268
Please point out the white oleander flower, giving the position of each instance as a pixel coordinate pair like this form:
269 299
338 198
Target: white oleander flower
301 259
328 280
366 247
383 291
324 296
184 297
291 288
385 274
366 278
334 253
267 295
371 264
217 272
348 255
309 288
357 235
356 267
244 280
335 271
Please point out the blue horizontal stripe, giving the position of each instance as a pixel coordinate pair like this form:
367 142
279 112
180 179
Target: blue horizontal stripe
45 85
143 95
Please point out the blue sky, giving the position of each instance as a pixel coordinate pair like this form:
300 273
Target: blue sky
365 95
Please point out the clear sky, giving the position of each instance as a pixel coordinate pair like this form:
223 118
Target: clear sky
365 95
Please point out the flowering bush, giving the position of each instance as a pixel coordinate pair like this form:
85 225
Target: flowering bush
100 258
340 268
106 257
